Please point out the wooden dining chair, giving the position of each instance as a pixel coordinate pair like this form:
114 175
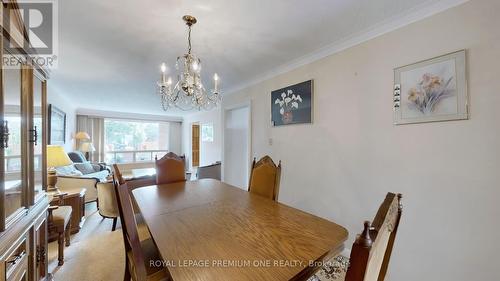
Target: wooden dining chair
138 254
59 221
371 251
170 169
265 178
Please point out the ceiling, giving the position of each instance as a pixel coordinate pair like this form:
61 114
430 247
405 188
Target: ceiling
110 51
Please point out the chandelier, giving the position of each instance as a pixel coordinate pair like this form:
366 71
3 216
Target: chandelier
188 93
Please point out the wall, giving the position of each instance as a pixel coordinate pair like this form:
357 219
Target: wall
342 165
236 155
210 152
60 101
175 137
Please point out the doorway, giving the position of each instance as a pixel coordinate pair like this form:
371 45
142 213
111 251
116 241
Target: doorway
195 145
237 146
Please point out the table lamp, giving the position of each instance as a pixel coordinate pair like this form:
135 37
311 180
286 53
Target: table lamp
87 147
82 136
56 157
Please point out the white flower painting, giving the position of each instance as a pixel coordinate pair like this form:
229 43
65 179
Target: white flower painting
288 101
292 105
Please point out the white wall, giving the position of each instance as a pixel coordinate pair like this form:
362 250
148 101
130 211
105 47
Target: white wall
341 166
60 101
236 155
175 137
210 152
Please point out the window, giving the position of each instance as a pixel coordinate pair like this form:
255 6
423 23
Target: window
135 141
207 132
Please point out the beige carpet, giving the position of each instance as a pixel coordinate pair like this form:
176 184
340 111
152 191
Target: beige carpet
96 253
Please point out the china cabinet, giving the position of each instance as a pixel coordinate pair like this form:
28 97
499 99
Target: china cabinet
23 115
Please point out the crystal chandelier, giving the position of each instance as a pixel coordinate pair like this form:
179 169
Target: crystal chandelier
188 93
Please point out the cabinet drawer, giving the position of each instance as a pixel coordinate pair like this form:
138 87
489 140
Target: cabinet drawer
16 263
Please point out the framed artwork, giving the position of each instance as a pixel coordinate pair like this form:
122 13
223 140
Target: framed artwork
57 125
431 90
292 104
207 132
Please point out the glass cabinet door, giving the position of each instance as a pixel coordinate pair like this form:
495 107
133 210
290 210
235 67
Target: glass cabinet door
38 135
11 148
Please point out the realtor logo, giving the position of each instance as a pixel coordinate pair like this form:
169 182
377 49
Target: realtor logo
38 41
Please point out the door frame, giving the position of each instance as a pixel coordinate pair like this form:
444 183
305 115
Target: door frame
248 104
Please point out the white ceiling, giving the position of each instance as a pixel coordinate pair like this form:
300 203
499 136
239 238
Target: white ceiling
110 51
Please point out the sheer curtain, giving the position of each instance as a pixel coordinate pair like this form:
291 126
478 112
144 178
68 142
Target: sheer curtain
94 126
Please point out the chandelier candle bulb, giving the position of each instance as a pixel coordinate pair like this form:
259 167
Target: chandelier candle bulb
216 82
163 75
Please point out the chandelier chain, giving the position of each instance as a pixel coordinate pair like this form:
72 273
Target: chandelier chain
189 40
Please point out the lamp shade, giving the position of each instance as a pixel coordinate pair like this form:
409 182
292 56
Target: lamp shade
57 157
82 136
87 147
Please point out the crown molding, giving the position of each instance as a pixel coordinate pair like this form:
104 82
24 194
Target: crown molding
416 14
127 115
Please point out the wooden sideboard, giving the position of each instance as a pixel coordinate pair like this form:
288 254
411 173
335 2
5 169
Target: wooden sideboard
23 142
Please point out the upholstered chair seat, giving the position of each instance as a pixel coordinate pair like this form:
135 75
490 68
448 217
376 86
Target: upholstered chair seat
62 215
334 269
59 221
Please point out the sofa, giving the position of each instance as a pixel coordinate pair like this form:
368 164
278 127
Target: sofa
81 174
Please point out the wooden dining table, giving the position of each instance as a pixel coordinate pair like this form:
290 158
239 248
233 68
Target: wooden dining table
209 230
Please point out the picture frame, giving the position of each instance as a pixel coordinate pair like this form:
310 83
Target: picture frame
57 126
432 90
293 104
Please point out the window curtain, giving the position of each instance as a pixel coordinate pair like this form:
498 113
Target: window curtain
94 126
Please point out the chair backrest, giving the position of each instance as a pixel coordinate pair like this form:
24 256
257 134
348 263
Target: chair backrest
210 172
108 206
265 178
169 169
77 157
129 225
372 249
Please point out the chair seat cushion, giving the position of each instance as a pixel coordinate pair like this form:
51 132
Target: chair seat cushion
333 269
62 215
150 252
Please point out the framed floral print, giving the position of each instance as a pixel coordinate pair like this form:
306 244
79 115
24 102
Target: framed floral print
292 104
431 90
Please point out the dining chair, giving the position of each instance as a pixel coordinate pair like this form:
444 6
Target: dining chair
170 169
209 172
138 254
59 221
265 178
371 251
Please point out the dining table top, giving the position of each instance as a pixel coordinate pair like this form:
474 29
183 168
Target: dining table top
209 230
